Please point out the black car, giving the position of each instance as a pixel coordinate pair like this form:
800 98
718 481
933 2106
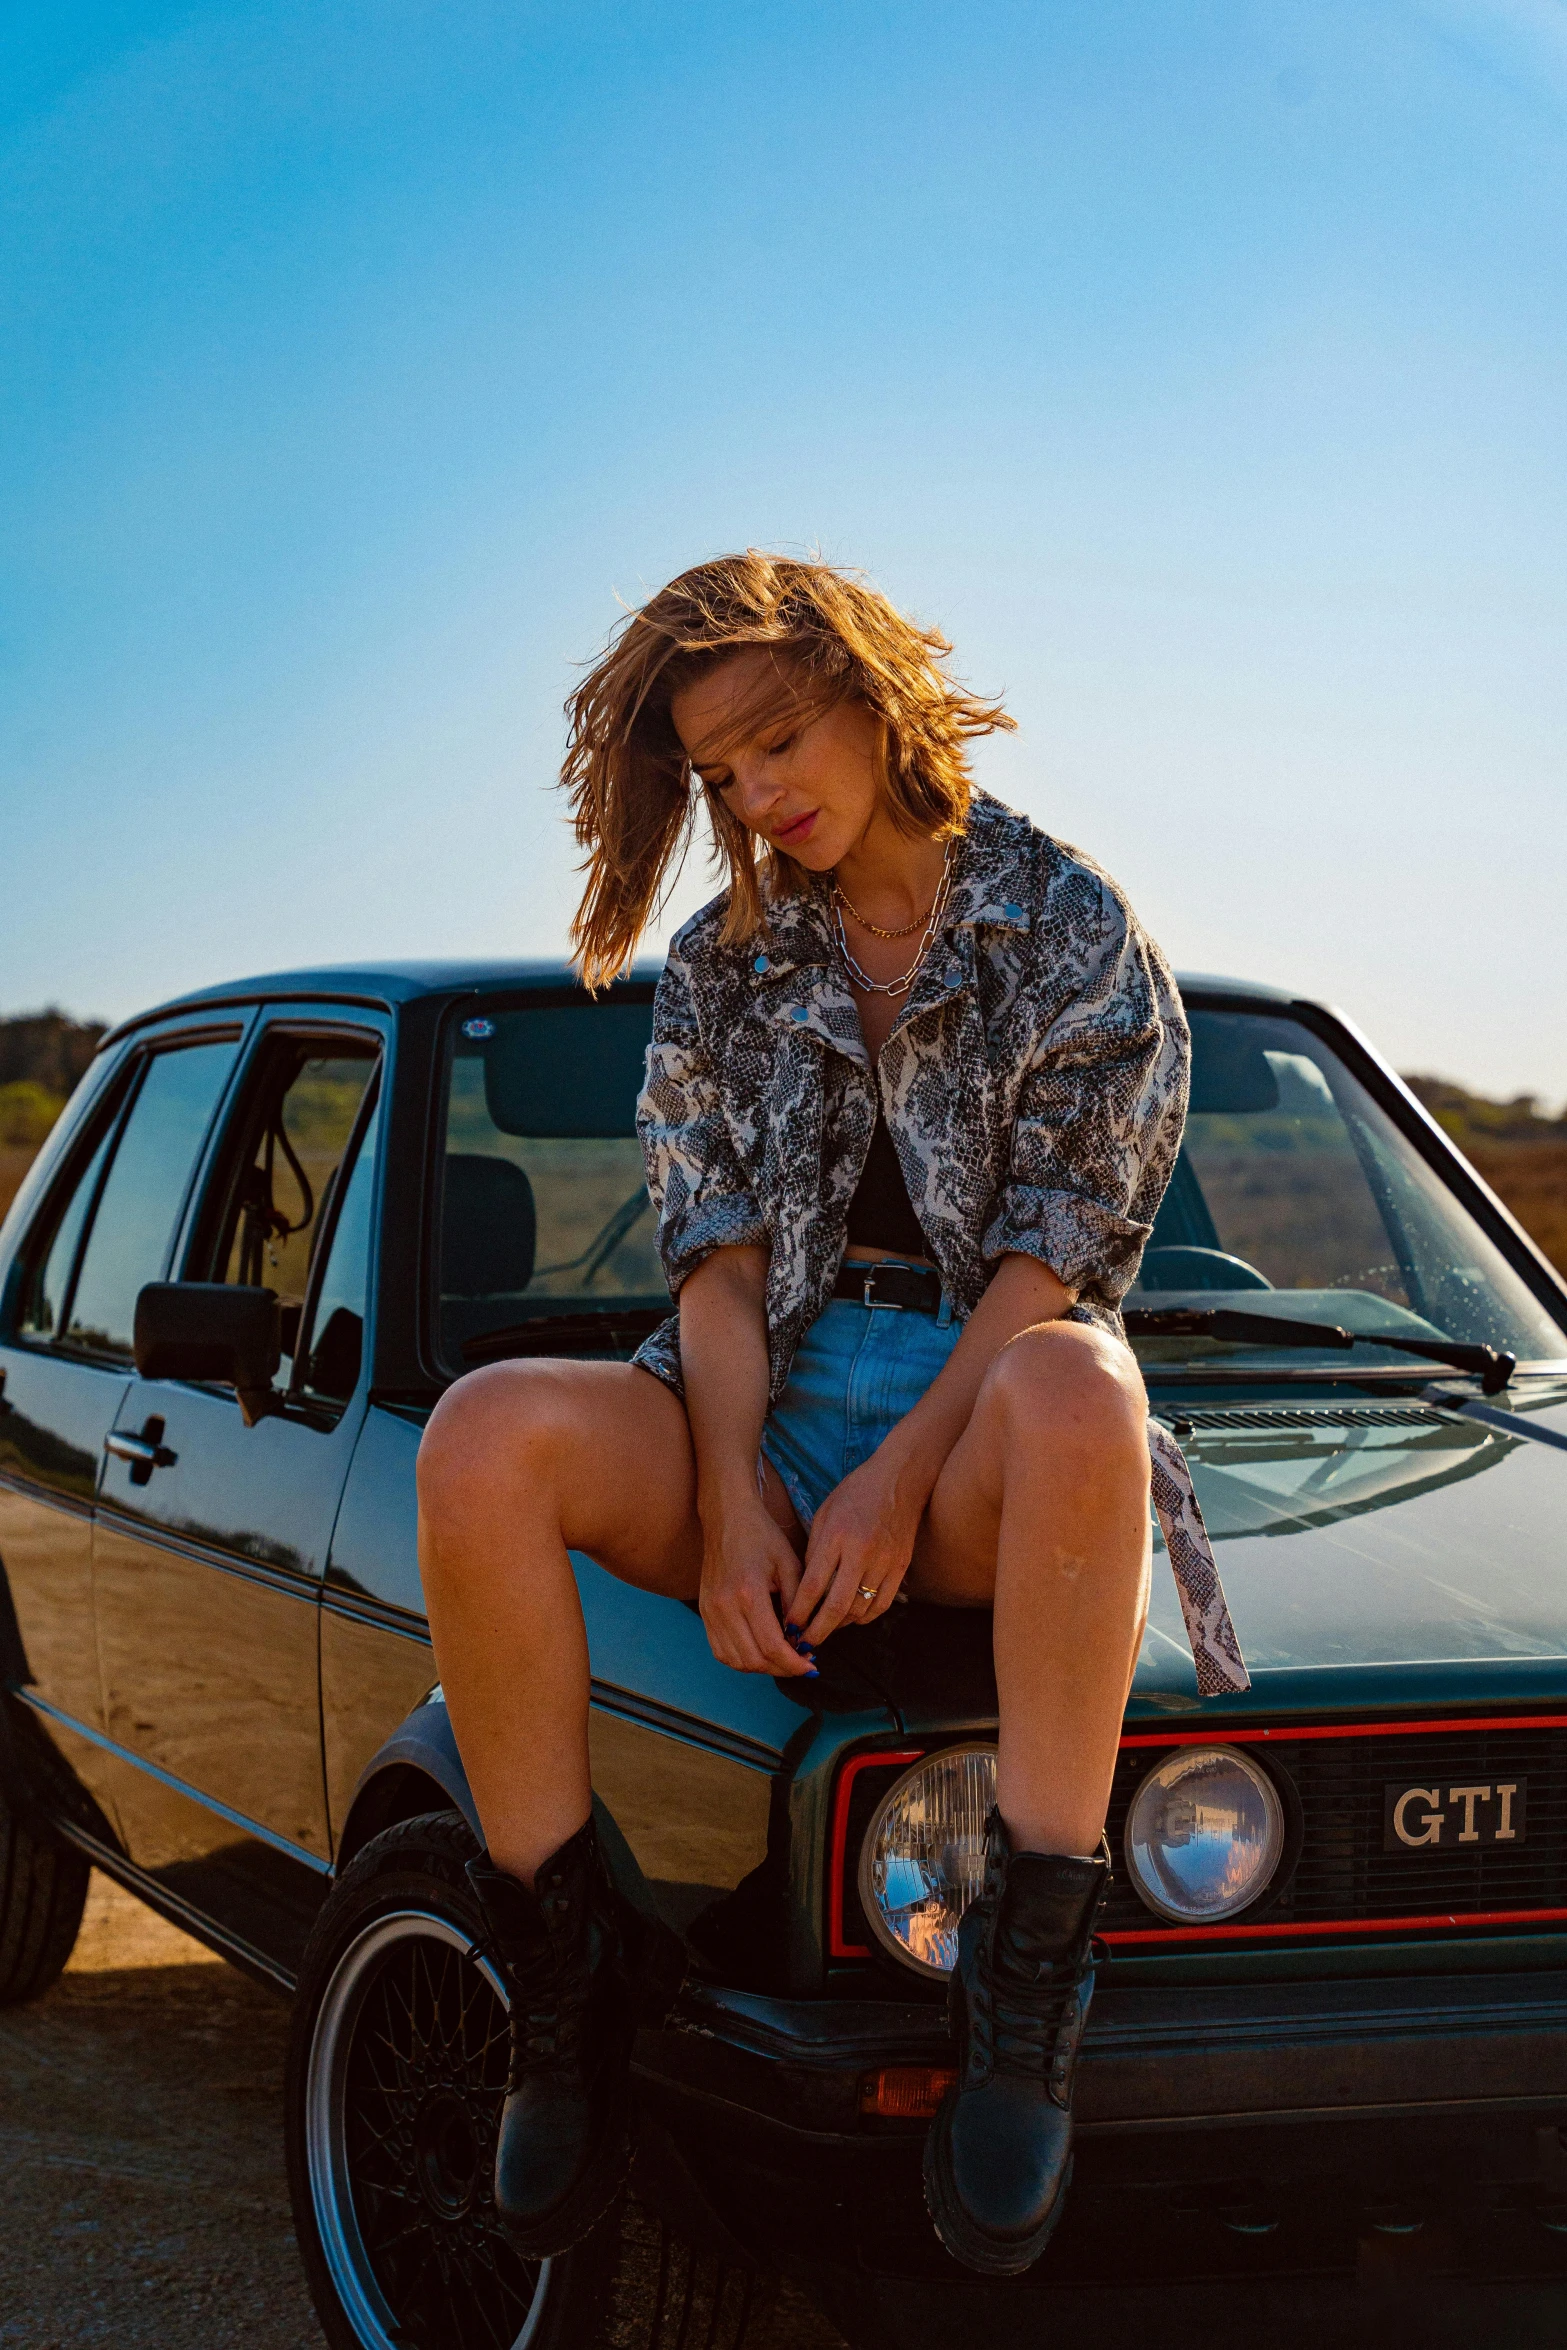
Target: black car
279 1217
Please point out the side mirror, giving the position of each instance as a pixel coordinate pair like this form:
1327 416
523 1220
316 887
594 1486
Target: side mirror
211 1330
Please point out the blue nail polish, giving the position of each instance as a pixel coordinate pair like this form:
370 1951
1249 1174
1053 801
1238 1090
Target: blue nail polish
791 1631
812 1675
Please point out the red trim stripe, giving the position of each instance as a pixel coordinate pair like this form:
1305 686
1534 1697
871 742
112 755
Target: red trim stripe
1467 1917
1219 1734
836 1945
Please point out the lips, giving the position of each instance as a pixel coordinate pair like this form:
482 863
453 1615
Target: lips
798 830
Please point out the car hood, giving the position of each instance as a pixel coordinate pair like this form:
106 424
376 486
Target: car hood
1381 1554
1368 1534
1372 1554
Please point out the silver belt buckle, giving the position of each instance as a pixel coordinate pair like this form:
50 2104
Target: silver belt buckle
881 1305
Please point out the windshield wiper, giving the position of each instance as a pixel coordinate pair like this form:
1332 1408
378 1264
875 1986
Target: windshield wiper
1491 1364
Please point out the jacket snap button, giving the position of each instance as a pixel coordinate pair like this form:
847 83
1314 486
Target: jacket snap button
761 963
799 1013
1013 913
954 978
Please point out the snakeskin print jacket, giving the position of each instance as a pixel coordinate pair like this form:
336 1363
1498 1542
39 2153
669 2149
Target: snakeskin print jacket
1034 1086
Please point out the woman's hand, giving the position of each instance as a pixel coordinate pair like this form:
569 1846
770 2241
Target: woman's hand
862 1539
747 1559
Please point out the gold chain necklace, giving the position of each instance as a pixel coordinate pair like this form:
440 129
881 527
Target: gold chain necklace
858 975
919 922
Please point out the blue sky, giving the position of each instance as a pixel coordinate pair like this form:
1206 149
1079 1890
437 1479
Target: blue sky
1201 369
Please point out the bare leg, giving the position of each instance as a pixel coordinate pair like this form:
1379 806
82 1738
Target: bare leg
521 1463
1042 1512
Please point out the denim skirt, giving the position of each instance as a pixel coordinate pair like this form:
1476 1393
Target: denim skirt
858 1370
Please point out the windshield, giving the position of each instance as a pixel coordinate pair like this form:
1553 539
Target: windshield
544 1209
1296 1194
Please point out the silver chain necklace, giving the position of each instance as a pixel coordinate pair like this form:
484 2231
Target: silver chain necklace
858 975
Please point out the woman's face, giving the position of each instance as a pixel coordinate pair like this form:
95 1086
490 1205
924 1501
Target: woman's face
807 788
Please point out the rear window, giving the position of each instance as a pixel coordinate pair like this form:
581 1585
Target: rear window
546 1231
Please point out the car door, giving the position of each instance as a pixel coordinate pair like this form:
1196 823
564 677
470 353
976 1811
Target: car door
212 1535
64 1369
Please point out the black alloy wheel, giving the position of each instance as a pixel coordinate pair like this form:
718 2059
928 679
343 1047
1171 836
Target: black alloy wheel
397 2068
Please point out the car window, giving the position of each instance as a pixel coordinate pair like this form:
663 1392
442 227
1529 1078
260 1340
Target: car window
1293 1178
48 1281
138 1209
1276 1165
301 1103
334 1346
545 1210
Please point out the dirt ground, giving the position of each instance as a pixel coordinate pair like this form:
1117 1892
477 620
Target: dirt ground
142 2197
141 2175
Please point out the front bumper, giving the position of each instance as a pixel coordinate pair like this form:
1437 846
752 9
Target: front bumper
1272 2128
1183 2057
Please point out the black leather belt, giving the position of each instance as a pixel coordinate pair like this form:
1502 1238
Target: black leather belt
908 1289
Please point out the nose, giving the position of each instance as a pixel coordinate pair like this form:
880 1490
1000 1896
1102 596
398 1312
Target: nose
756 793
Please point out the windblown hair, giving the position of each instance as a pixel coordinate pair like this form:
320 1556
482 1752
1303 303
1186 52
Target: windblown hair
833 637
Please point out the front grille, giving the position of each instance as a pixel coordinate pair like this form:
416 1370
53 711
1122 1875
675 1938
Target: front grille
1335 1872
1334 1787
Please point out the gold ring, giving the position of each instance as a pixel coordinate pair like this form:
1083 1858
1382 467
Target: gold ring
866 1592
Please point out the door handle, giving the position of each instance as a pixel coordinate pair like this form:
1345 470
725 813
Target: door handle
132 1448
145 1452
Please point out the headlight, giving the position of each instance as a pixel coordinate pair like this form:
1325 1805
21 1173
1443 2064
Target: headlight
1204 1834
923 1858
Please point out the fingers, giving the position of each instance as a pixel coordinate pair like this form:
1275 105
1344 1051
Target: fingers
844 1601
749 1638
814 1583
739 1613
865 1611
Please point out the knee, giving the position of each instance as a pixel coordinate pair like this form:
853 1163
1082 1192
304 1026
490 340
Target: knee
491 1429
1074 1383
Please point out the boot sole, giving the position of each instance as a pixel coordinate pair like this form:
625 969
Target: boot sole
967 2243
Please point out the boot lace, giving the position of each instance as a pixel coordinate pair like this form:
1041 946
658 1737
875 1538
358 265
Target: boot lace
549 1999
1024 2024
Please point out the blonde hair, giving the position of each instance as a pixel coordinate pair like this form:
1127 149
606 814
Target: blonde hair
833 638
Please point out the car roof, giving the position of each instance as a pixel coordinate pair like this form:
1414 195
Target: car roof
392 984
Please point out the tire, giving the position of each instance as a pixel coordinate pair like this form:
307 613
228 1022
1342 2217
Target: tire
43 1891
396 2071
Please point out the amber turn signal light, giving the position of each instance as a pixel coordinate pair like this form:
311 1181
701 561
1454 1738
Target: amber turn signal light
905 2092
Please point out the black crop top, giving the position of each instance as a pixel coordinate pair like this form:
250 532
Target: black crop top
881 1214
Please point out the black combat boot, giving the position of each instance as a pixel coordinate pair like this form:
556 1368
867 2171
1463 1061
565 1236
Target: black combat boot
582 1969
998 2160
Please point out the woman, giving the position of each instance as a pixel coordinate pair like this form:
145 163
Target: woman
916 1054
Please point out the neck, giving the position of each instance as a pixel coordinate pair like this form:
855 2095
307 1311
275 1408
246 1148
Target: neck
891 878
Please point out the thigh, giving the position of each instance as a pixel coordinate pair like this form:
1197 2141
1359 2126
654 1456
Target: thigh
613 1444
954 1562
1062 1399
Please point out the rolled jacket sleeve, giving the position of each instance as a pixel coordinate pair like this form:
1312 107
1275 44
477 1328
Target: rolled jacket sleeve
698 1187
1099 1116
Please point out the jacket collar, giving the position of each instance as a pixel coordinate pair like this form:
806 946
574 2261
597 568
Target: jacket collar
992 877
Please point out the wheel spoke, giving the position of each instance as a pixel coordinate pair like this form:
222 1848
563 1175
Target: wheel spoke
422 2080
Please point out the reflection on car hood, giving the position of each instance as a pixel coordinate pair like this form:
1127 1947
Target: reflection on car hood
1367 1534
